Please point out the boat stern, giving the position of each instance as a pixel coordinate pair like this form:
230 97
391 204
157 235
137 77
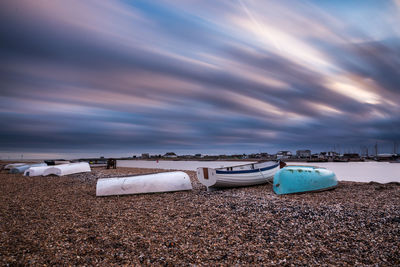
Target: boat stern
206 176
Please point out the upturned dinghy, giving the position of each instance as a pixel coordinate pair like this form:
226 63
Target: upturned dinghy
299 179
66 169
21 169
36 171
235 176
12 165
149 183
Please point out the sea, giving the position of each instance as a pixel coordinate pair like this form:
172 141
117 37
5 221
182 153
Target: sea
381 172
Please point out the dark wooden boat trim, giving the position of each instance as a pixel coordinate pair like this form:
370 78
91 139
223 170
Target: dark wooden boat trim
247 171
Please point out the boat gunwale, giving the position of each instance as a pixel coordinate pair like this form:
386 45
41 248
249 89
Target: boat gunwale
219 171
263 161
135 175
307 166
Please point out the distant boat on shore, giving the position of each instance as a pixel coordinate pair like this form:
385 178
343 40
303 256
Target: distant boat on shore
235 176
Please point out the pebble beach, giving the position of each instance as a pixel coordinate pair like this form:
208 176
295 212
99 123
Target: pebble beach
60 221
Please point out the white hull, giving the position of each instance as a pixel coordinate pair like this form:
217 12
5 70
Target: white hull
36 171
21 169
13 165
244 175
151 183
66 169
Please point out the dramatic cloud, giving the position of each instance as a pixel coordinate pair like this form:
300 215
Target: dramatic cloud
127 77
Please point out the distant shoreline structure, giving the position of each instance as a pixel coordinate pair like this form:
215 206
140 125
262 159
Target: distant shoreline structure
284 155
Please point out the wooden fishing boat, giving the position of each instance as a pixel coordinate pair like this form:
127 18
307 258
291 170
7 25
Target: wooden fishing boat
299 179
235 176
149 183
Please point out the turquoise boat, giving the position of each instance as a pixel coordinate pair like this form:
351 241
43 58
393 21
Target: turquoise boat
300 179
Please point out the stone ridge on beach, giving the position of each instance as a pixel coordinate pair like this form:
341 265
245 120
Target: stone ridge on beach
60 221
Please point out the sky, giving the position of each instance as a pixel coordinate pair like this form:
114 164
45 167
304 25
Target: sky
125 77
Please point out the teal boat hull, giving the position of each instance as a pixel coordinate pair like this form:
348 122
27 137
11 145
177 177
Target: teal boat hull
300 179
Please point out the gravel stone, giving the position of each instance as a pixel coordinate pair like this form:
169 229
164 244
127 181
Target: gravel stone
60 221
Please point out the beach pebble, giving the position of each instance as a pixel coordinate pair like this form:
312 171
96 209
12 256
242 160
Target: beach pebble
60 221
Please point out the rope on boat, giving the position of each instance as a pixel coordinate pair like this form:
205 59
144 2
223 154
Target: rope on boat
269 182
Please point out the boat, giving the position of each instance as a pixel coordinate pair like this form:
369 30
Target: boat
66 169
149 183
300 179
235 176
36 171
22 168
56 162
12 165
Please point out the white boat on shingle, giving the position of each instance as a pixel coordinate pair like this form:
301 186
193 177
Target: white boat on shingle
241 175
13 165
22 168
150 183
66 169
36 171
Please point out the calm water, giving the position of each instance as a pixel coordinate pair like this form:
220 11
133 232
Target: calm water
382 172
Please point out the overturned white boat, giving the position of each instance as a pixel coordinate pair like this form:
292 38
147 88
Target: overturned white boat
241 175
150 183
12 165
36 171
66 169
22 168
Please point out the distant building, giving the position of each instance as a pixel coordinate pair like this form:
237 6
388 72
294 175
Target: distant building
198 155
283 154
186 156
170 155
315 156
145 156
303 153
332 154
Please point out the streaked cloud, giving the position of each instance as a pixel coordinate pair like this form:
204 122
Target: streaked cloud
197 76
